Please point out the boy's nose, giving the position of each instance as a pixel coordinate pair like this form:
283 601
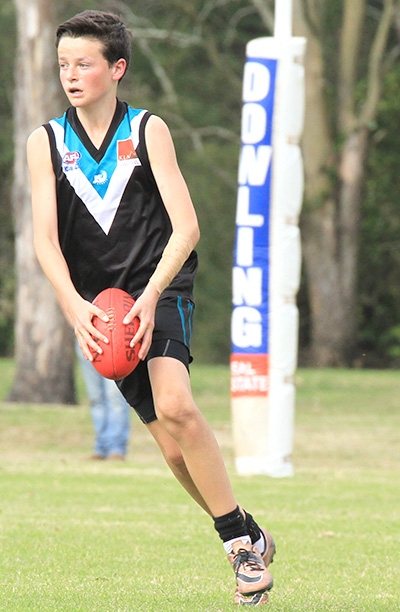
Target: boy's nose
71 74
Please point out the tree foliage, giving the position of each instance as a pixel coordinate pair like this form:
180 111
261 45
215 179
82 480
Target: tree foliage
379 264
187 67
352 57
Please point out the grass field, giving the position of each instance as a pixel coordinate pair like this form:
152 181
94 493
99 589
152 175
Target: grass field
82 537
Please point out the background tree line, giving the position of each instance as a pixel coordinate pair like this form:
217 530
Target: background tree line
187 67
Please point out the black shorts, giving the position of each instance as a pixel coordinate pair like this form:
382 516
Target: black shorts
171 338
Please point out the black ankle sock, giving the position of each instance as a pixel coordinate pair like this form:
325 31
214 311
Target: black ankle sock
252 528
231 525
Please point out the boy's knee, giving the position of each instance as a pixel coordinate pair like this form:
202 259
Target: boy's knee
176 409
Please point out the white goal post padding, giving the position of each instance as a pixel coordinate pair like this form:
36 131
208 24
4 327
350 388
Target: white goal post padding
267 259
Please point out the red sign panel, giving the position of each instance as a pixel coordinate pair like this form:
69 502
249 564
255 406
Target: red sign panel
249 374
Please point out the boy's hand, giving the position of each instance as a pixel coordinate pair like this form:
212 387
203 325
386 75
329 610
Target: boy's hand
80 315
144 309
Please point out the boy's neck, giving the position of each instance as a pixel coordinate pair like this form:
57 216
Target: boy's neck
96 121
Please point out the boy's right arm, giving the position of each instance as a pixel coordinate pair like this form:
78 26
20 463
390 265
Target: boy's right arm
78 311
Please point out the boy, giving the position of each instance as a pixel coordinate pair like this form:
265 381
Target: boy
111 209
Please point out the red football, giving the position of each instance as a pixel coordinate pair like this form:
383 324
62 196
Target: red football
118 359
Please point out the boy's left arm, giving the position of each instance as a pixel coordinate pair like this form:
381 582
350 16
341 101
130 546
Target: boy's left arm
185 227
171 184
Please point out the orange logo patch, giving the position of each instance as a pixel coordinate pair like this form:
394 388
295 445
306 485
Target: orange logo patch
125 150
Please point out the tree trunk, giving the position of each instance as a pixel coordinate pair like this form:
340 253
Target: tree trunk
330 243
44 348
319 223
334 180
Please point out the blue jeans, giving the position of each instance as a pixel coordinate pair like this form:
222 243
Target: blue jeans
109 409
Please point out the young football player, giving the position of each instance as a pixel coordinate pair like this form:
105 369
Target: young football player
111 209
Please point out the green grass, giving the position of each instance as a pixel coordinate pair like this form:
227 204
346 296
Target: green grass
82 537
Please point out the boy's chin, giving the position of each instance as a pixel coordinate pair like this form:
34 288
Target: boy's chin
75 100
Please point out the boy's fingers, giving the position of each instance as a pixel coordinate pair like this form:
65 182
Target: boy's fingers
129 316
145 342
86 344
144 333
88 336
95 310
96 333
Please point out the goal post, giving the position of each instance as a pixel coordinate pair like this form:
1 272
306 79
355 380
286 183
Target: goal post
267 256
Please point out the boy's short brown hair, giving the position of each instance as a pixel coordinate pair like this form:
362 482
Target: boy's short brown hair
105 27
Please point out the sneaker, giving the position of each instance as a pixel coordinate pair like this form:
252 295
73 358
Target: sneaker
252 575
258 599
268 556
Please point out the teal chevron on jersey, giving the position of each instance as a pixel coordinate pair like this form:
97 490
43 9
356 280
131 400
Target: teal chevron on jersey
99 174
99 184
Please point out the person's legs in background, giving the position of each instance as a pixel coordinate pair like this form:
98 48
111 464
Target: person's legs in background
118 421
109 411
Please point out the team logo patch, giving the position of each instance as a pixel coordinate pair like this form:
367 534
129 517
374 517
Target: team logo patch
126 152
71 161
100 179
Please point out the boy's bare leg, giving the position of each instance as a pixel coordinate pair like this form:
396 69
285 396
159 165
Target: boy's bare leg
179 415
173 456
192 452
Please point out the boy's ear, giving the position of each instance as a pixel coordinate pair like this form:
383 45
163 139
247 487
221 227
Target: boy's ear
119 69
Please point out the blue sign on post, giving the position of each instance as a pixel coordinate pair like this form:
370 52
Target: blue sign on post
250 351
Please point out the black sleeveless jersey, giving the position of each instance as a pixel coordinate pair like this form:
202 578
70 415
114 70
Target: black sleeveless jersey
112 222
